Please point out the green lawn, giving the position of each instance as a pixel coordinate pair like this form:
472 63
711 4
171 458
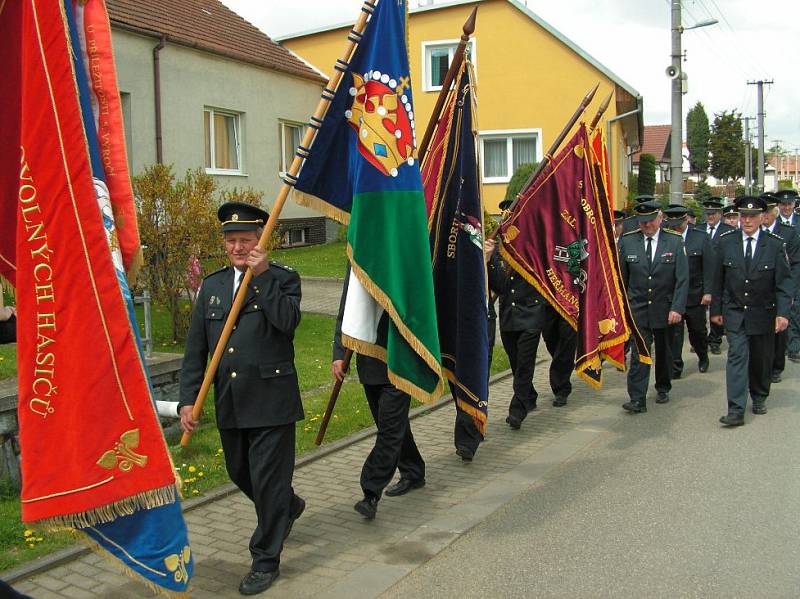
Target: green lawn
326 260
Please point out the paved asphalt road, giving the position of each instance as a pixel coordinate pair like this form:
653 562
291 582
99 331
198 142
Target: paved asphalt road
663 504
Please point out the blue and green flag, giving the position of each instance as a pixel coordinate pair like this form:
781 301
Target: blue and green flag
362 171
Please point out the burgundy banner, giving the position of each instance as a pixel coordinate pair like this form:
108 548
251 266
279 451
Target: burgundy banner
559 240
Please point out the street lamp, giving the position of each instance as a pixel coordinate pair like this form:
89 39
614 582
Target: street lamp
675 73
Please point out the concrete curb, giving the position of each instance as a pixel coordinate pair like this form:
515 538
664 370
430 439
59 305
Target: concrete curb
71 553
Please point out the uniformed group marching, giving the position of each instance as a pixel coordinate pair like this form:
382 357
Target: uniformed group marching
740 266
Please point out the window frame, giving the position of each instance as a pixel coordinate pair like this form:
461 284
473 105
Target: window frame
509 135
472 48
237 130
305 233
283 168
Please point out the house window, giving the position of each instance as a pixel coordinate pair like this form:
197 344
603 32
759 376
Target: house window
438 56
502 152
297 236
125 104
223 141
290 134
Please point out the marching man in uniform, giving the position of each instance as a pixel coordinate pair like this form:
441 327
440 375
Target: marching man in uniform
752 297
655 272
256 394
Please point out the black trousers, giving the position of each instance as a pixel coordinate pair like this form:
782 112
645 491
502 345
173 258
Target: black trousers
260 461
521 347
715 333
639 373
779 357
749 368
695 319
394 447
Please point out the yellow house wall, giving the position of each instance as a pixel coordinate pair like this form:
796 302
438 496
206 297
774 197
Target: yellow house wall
526 78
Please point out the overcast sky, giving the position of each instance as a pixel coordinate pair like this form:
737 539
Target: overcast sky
753 40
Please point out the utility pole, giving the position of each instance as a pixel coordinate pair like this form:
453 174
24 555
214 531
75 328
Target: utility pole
676 144
778 161
748 157
760 83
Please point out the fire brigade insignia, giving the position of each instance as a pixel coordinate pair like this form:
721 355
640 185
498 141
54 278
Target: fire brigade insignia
573 254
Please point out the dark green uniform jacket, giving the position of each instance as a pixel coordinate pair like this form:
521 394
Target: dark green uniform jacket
256 383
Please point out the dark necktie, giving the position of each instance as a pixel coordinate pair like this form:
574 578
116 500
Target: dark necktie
748 253
711 231
649 251
238 275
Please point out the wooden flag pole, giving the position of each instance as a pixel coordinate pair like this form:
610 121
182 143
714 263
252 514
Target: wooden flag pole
549 154
337 387
601 111
458 57
308 139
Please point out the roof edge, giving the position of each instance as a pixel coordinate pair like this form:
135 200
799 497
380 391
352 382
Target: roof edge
319 77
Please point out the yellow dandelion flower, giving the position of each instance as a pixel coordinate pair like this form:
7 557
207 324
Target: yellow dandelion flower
28 533
192 469
195 492
39 539
200 474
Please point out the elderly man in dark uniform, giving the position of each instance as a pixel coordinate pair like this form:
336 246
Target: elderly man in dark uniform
700 258
655 272
789 235
713 227
752 296
730 215
257 397
787 198
394 447
526 317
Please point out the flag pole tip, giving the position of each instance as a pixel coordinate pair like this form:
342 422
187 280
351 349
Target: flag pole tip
469 24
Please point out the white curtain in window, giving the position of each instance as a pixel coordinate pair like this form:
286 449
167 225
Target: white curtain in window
523 151
495 158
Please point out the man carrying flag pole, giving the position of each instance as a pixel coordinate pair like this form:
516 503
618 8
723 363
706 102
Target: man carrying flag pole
362 171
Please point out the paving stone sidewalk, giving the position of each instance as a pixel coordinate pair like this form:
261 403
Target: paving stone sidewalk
332 551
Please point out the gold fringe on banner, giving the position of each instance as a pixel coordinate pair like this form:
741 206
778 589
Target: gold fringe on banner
108 513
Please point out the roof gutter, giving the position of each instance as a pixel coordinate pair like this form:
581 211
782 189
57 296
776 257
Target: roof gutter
609 124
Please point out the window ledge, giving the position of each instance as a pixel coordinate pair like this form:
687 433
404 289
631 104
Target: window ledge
490 180
222 172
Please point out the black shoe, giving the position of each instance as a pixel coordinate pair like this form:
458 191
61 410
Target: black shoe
732 419
404 485
676 375
776 377
634 408
662 397
367 507
702 365
298 507
714 349
257 582
514 422
559 401
759 408
465 454
794 356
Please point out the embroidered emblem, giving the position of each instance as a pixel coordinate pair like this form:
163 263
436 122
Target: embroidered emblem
607 325
234 216
510 234
471 227
383 119
176 563
573 255
123 453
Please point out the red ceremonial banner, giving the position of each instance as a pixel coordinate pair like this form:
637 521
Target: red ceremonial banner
95 39
91 444
559 239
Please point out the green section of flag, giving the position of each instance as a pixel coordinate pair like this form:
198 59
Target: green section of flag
391 255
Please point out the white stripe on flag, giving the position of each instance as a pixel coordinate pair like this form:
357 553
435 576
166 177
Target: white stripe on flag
361 312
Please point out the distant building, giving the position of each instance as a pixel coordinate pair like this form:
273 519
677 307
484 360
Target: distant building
230 100
530 79
658 142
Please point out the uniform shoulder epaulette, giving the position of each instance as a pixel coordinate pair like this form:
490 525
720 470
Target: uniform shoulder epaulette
634 232
281 266
776 236
671 232
726 233
216 272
